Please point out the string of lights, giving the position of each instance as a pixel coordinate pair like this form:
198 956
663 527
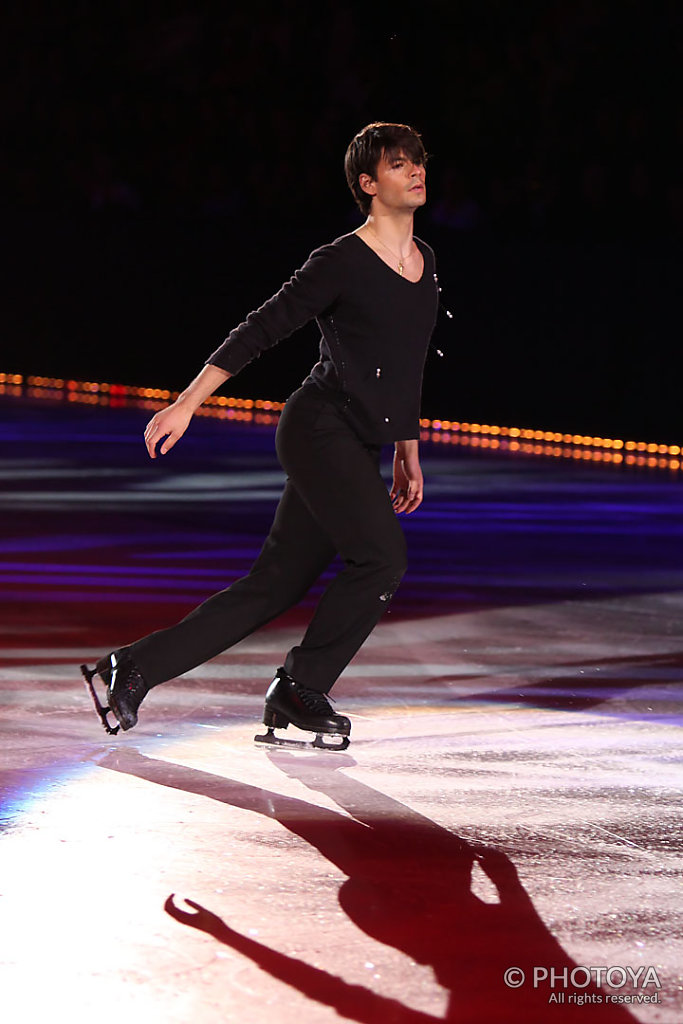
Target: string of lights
515 440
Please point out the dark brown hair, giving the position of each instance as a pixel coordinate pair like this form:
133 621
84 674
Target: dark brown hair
366 149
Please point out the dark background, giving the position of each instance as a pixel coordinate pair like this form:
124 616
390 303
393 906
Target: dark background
167 165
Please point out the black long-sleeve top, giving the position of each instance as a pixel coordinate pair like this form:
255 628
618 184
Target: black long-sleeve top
375 328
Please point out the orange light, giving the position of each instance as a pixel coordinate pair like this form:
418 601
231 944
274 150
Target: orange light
574 445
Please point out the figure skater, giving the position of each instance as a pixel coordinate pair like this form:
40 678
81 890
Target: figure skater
374 295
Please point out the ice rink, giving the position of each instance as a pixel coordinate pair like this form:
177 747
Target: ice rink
500 843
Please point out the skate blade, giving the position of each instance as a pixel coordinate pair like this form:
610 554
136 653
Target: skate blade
99 708
270 739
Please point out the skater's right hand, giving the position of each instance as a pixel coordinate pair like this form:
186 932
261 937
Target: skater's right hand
171 423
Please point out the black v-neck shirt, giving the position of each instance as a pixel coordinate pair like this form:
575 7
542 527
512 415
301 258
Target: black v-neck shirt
375 328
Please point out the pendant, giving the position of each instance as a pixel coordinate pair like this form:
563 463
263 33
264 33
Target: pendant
400 268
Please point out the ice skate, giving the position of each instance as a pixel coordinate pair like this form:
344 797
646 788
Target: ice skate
126 690
290 703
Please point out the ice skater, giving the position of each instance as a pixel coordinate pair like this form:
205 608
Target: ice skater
374 295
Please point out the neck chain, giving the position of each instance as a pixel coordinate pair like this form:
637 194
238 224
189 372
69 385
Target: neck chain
397 256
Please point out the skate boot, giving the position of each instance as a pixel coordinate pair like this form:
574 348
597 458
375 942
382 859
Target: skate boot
290 703
126 689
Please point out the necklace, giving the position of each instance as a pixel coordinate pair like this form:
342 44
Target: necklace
397 256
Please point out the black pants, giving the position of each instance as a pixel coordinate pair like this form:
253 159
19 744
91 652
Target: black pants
334 501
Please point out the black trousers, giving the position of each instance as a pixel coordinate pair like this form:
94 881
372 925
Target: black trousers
334 501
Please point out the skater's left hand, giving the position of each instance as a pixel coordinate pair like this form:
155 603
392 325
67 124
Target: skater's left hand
407 489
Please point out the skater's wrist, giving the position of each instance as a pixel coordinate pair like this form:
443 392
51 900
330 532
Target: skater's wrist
407 449
188 402
204 384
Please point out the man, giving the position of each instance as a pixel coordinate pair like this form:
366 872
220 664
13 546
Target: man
373 293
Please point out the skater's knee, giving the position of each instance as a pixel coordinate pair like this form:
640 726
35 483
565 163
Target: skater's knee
393 568
391 586
381 563
397 567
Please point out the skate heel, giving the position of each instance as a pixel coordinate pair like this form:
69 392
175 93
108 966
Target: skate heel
274 719
102 711
125 689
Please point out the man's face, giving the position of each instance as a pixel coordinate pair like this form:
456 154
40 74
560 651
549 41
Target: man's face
399 184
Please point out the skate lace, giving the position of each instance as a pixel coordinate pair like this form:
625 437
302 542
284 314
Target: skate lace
315 701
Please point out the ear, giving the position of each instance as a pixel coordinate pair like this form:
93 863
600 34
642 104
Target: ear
368 184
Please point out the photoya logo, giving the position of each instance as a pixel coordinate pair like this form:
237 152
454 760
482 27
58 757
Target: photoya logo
559 980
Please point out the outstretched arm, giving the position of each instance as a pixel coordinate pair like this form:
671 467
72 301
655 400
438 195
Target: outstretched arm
313 288
173 421
406 492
